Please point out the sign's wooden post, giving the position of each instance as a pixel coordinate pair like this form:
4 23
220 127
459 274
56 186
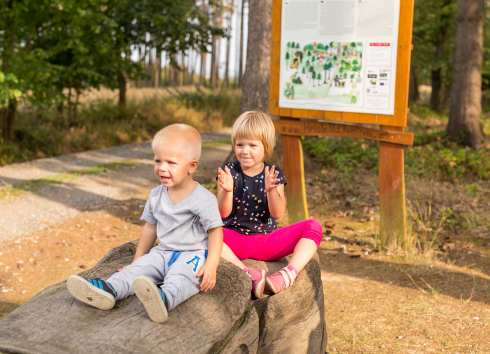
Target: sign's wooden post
292 153
392 192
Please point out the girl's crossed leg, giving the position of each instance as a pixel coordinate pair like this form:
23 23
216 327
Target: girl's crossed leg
301 239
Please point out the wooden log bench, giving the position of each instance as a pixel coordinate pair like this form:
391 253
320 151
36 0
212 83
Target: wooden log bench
224 320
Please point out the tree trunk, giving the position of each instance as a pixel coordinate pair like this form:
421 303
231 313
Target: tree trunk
413 90
182 68
203 69
435 96
226 82
142 62
213 49
194 66
10 119
71 123
121 79
465 114
149 82
159 61
218 45
240 65
436 99
8 114
255 94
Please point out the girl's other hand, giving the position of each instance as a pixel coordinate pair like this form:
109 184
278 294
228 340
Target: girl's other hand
271 178
121 269
225 179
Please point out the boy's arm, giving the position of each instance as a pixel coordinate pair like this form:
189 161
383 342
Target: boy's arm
147 240
208 270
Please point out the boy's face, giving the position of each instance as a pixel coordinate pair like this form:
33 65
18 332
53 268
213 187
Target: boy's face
249 152
171 166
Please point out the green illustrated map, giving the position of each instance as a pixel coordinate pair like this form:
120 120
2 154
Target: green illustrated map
326 73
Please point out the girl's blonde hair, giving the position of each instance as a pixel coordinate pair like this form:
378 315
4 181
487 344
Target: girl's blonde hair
257 126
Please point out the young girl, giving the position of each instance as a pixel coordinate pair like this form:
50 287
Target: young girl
251 199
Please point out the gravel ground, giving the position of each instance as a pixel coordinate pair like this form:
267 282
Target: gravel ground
30 212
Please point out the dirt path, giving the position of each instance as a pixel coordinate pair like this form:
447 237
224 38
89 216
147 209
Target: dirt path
66 194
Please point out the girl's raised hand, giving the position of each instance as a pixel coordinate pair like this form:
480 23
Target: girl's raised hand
271 178
225 179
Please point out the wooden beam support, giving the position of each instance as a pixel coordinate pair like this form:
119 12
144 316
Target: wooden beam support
310 128
393 227
292 153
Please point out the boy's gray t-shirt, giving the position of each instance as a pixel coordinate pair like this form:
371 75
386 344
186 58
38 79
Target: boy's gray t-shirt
183 227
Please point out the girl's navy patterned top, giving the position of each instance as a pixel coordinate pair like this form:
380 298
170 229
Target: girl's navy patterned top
250 214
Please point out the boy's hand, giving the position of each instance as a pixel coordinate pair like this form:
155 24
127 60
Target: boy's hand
225 179
208 273
271 178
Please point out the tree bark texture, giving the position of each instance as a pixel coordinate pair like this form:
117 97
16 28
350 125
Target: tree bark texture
159 76
226 82
413 89
121 80
8 114
255 93
240 60
223 320
436 97
212 79
465 113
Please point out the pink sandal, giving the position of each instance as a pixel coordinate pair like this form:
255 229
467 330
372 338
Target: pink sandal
281 280
258 281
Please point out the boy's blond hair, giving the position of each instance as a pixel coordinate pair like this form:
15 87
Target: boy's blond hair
185 137
257 126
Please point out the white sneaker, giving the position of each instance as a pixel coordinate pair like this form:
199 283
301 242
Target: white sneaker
152 298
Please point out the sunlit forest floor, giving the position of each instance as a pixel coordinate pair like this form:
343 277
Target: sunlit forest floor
431 295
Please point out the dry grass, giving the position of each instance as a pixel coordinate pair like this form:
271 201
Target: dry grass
101 123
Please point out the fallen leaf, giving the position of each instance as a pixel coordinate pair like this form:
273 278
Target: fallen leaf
329 225
83 266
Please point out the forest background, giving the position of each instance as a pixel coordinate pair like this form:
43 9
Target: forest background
79 75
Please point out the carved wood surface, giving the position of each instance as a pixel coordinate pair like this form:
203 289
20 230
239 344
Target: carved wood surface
224 320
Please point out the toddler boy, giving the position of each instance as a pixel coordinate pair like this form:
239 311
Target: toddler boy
185 218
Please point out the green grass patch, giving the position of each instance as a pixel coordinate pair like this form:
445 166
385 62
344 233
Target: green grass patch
214 143
35 185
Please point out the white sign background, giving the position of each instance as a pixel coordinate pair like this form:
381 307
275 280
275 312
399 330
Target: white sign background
343 22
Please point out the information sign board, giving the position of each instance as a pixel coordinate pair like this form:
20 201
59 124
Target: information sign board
345 60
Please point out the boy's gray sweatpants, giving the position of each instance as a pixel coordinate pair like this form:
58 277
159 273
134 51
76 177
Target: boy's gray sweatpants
173 271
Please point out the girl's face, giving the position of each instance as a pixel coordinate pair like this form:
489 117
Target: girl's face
249 152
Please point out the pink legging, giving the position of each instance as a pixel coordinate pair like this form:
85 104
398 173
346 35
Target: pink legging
275 245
